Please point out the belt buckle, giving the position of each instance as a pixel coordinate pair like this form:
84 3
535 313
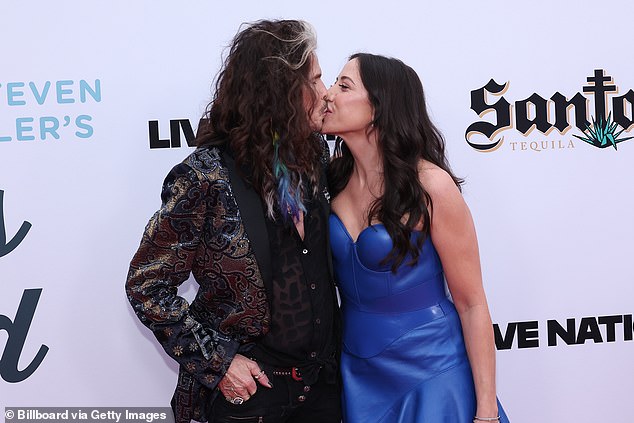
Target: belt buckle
296 374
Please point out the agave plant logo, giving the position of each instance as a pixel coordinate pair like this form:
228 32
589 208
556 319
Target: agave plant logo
611 118
603 133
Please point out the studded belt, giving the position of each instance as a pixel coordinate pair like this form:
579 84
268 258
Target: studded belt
293 372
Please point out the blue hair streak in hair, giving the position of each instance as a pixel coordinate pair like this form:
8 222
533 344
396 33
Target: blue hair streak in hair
289 198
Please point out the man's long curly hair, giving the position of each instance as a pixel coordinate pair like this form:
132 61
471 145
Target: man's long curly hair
406 136
260 100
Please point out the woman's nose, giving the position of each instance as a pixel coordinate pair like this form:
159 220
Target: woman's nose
329 94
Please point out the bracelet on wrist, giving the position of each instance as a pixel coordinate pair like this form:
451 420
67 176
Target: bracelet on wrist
477 419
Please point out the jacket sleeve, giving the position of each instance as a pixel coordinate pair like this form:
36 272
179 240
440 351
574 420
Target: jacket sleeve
168 250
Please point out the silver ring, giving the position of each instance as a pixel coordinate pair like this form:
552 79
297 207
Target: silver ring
259 375
237 401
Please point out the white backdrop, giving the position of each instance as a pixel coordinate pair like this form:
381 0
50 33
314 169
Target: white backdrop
555 226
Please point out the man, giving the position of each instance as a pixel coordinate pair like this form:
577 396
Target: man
246 213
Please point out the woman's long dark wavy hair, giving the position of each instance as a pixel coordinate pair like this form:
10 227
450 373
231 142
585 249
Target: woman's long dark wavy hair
406 135
260 100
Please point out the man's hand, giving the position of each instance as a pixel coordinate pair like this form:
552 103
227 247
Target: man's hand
240 379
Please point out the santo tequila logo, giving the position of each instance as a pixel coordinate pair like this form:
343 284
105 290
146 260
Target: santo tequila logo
612 115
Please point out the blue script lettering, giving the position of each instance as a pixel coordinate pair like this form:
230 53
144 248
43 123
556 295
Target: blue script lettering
12 93
21 127
52 129
59 85
95 92
66 91
40 97
81 125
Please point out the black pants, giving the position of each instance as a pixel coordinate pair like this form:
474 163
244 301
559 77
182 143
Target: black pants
289 401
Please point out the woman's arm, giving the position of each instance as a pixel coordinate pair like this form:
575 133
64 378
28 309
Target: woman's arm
454 236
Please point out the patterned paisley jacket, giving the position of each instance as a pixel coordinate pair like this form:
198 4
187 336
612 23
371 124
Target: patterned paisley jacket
201 228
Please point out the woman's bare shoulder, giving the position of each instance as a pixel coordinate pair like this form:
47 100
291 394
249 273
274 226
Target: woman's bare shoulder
436 181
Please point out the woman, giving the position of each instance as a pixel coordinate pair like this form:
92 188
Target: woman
398 230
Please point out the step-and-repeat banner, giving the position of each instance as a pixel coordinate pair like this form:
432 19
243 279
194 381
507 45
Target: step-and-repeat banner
98 100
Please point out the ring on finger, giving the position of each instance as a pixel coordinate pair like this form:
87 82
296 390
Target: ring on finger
259 375
237 400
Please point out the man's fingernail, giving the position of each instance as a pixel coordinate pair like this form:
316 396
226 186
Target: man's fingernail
270 384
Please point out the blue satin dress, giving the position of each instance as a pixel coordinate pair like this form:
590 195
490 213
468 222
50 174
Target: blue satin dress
403 358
